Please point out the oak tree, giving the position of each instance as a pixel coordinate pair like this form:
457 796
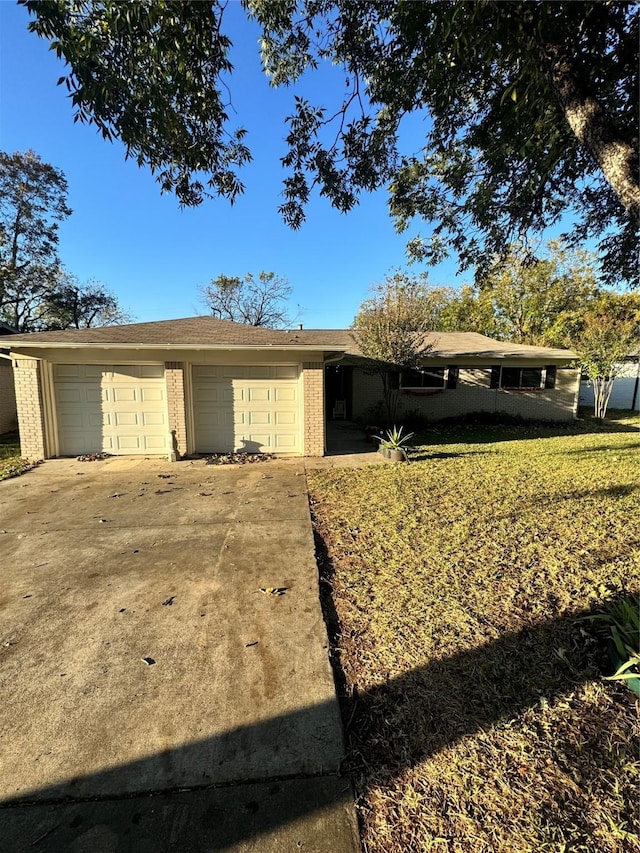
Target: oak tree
530 108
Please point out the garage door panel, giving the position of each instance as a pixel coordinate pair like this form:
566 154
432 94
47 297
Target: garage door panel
152 419
286 443
210 394
111 408
67 371
152 371
256 442
68 395
123 395
286 395
72 420
151 395
218 418
258 395
286 371
257 372
261 402
90 371
126 419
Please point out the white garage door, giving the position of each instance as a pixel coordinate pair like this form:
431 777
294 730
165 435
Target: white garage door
119 409
250 409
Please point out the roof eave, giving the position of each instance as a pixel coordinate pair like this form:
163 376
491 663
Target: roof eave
24 345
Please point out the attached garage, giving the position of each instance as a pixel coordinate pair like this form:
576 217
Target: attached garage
173 388
247 408
118 409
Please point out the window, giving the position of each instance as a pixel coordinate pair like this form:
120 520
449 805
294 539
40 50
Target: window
550 376
425 378
520 378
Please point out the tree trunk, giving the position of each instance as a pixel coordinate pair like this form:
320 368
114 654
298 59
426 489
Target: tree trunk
616 156
602 388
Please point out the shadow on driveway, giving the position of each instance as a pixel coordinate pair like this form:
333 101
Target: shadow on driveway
212 818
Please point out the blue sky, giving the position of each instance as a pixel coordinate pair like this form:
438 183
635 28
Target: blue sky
152 254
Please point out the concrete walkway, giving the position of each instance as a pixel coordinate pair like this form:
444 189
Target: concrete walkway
346 448
153 697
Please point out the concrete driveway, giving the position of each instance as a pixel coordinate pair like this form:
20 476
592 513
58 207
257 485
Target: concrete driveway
153 697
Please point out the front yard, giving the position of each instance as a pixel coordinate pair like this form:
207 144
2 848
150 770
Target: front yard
477 718
11 463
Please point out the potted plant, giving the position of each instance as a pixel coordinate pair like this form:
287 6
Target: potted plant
395 443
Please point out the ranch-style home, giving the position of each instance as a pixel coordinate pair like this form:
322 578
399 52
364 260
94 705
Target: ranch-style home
203 385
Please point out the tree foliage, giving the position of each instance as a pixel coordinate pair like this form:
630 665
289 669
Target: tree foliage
257 301
71 305
54 299
390 330
36 292
33 201
531 107
522 299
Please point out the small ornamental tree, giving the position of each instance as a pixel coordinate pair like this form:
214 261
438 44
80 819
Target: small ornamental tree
390 329
608 334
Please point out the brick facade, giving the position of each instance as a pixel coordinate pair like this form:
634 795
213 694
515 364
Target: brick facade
8 411
313 389
174 376
28 386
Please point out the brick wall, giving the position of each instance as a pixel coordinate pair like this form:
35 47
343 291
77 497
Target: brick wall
313 390
8 411
28 386
174 376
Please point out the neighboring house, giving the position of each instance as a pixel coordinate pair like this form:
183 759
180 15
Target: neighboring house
8 411
626 386
202 385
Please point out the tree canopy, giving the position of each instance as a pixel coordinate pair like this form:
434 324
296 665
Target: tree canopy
257 301
390 330
33 201
531 108
36 292
71 305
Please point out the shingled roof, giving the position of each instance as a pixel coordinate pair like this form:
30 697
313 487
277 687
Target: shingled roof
209 332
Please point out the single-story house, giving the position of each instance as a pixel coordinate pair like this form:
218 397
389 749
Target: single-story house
203 385
626 386
8 411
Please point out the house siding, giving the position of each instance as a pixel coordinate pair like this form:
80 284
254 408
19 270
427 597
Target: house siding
8 409
313 392
29 401
472 394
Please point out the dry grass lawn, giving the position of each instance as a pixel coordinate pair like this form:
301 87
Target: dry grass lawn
477 718
11 463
